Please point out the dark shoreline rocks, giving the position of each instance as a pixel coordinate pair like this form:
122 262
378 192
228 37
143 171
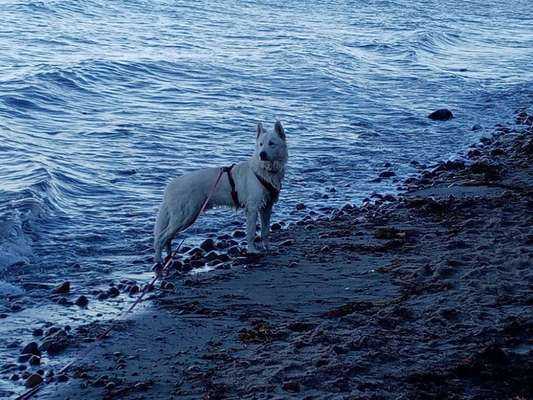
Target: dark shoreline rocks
441 115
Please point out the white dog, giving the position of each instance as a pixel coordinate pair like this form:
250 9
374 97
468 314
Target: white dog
253 184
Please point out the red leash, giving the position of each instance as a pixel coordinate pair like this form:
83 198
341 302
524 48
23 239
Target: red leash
159 272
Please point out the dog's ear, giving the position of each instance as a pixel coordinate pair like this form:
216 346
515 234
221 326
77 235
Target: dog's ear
260 129
278 128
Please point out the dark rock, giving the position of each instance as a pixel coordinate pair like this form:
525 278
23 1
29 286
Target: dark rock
477 127
35 360
208 245
234 251
300 206
239 234
52 330
291 386
31 348
62 378
37 332
134 289
387 174
15 377
82 301
55 343
491 171
62 289
33 380
275 227
113 292
212 255
198 263
441 115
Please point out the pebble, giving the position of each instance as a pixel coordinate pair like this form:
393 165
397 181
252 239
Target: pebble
387 174
62 289
239 234
37 332
212 255
55 343
113 292
234 251
300 206
208 245
275 227
31 348
33 380
62 378
82 301
441 115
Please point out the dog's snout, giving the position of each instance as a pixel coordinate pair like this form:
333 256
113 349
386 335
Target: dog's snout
263 156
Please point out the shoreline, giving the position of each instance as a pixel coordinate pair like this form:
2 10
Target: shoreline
421 294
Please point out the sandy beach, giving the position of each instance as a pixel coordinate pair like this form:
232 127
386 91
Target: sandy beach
423 295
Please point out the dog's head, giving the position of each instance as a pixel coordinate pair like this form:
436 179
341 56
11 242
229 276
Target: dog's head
271 146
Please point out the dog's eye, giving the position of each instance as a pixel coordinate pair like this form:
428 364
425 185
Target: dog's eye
260 144
271 143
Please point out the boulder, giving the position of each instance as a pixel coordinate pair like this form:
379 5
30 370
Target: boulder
441 115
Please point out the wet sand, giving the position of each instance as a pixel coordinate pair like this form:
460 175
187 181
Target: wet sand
426 295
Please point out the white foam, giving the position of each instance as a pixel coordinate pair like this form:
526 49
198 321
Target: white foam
15 246
9 289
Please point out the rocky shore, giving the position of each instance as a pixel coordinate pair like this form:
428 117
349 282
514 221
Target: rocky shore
423 295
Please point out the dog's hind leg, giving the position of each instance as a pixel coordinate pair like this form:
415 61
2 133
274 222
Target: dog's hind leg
251 221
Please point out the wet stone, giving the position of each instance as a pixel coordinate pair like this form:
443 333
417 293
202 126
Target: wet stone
239 234
387 174
300 206
37 332
55 343
62 289
31 348
113 292
82 301
33 380
441 115
234 251
275 227
208 245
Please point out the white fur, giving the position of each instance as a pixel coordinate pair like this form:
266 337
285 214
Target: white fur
185 194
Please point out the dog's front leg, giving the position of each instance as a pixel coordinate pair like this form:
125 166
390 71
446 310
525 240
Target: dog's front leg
251 223
265 214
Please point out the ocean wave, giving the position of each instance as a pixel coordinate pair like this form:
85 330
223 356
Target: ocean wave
15 245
